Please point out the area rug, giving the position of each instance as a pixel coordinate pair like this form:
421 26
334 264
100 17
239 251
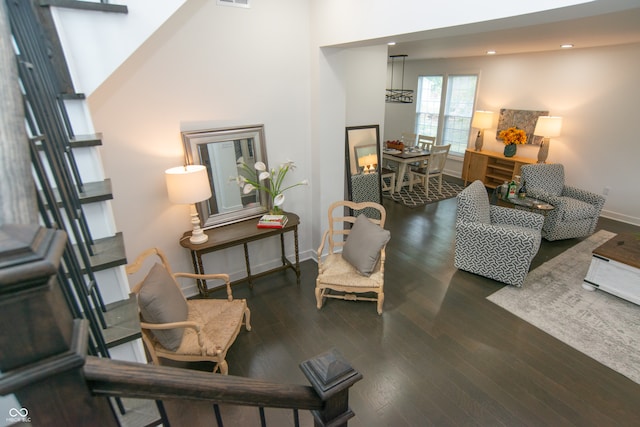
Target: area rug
600 325
417 197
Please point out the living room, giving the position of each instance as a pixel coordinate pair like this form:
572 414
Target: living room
159 90
237 71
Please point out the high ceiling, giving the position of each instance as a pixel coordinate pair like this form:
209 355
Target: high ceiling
522 35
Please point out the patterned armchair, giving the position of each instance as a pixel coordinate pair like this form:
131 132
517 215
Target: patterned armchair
575 212
493 241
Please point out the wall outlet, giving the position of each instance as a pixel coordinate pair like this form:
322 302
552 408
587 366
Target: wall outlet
605 191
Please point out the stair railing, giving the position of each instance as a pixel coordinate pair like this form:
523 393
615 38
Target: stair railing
44 362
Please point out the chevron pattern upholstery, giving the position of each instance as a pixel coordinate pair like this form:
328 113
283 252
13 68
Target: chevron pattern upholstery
575 212
493 241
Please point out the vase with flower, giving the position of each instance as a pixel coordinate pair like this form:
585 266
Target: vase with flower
511 138
256 179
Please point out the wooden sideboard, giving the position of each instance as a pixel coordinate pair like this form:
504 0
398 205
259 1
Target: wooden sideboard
491 167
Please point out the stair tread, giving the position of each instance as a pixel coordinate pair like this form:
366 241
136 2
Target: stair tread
97 191
88 140
108 252
123 322
86 5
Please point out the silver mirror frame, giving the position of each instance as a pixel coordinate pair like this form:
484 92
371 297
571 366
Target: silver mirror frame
193 139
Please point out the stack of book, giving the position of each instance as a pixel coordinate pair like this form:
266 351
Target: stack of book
272 221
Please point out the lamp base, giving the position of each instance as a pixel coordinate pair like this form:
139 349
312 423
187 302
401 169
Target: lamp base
197 235
480 140
543 152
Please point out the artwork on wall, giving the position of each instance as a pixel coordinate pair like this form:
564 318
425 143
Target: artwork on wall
522 119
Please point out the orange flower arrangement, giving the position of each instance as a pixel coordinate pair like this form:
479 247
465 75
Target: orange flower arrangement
513 135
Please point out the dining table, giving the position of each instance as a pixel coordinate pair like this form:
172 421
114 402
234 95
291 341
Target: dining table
403 158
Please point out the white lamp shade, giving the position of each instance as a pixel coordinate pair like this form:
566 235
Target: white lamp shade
188 184
482 119
368 160
548 126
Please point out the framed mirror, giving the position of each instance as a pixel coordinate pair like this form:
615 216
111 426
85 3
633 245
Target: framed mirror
363 163
220 150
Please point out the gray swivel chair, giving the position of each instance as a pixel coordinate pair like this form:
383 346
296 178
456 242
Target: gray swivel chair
493 241
575 212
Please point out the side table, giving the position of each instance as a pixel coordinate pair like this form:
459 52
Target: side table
533 205
241 233
615 268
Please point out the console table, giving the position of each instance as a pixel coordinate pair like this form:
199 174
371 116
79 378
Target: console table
241 233
490 167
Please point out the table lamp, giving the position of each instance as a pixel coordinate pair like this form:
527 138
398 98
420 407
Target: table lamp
189 184
368 162
481 120
546 127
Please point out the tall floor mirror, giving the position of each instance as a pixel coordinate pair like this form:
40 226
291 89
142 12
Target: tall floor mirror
363 163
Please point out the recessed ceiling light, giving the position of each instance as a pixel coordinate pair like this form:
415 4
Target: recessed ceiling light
566 45
391 43
491 52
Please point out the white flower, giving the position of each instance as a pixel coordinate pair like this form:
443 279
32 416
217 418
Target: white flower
278 200
248 188
304 182
264 175
260 166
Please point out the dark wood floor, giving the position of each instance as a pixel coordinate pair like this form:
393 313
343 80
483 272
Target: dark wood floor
440 354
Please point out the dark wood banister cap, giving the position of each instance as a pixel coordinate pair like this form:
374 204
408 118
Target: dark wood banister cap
29 256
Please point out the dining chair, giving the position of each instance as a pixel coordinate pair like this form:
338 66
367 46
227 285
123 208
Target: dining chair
434 169
424 143
408 139
388 174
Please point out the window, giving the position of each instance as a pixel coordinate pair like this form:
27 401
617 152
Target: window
445 108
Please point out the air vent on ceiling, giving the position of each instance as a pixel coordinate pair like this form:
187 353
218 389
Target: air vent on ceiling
236 3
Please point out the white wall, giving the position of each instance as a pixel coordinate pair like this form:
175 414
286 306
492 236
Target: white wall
594 90
117 35
340 21
208 66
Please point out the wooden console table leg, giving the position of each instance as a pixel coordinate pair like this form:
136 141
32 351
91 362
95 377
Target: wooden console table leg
284 259
295 238
199 269
246 260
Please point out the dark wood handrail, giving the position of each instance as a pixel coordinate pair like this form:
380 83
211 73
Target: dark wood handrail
128 379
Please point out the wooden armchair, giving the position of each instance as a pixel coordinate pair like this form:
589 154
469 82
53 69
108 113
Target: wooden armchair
185 330
358 270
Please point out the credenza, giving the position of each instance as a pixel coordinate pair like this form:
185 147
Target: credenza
491 167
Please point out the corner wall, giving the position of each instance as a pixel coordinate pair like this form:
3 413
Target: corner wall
208 66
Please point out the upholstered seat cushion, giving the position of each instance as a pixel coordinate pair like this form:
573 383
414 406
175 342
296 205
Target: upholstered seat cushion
161 301
363 245
342 273
576 210
221 326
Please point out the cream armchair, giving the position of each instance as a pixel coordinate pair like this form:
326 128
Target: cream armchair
185 330
353 269
575 212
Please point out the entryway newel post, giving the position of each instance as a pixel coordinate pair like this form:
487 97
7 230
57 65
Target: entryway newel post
331 376
42 348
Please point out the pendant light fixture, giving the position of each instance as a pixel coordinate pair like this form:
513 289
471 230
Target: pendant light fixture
401 95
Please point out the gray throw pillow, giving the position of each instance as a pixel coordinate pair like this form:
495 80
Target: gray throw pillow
161 301
362 248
